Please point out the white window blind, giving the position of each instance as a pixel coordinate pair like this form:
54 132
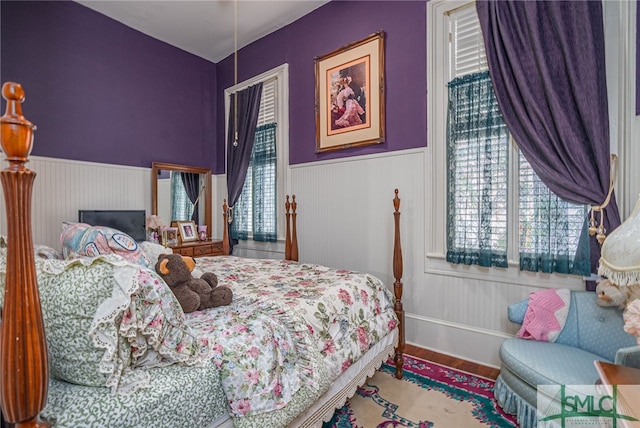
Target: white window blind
467 47
268 102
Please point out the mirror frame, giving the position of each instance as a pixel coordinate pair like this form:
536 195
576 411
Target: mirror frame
156 167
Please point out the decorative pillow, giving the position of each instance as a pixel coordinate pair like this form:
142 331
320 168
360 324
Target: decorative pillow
40 252
546 315
108 320
152 251
81 239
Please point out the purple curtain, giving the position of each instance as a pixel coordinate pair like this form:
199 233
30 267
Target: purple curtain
191 183
546 62
239 155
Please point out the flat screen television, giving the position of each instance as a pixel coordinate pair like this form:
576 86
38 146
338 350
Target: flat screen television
131 222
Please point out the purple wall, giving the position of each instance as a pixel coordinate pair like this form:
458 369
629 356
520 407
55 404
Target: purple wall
100 91
638 57
324 30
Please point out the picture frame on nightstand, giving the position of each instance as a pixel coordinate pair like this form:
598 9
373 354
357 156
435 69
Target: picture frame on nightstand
169 236
188 231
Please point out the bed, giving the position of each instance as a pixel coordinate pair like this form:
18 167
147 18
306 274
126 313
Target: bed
293 345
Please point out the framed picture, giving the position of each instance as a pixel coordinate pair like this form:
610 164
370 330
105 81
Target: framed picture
170 236
350 95
188 231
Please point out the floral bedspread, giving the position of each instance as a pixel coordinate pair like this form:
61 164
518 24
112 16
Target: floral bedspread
342 312
291 329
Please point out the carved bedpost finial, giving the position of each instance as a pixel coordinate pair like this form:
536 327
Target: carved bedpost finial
17 132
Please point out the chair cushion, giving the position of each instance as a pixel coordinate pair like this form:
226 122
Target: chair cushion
546 363
600 329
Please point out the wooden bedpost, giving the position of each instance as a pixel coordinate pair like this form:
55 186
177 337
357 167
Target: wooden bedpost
291 234
24 375
287 229
226 245
294 233
397 286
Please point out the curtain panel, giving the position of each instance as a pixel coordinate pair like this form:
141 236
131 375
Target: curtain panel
477 164
547 65
243 119
181 206
191 184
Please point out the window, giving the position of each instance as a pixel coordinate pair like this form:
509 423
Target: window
181 206
256 211
497 211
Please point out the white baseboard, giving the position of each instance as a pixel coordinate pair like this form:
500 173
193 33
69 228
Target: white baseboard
460 341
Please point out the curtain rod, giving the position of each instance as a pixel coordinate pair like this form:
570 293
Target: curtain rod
449 12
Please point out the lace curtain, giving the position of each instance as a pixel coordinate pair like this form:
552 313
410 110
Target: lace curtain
551 237
553 232
181 206
477 158
255 211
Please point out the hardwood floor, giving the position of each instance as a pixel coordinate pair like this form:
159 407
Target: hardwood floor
456 363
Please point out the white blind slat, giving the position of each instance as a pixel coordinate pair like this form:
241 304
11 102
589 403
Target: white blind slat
467 50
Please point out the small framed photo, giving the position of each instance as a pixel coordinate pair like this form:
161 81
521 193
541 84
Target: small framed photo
188 231
170 236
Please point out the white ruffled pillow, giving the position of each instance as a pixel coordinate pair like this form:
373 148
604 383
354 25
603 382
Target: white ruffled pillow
108 320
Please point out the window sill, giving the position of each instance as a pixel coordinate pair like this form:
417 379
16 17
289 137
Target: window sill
273 247
437 264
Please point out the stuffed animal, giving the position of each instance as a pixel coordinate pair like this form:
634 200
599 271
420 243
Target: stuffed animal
194 294
610 294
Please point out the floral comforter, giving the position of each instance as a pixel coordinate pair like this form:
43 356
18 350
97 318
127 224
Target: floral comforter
291 329
335 315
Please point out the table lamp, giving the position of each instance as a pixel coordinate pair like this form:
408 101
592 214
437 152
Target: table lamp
154 225
620 263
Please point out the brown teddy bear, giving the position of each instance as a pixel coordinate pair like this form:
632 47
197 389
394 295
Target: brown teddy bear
194 294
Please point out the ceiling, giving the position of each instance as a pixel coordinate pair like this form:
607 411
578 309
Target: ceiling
205 27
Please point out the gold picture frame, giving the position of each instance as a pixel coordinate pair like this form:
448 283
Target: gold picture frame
170 236
188 231
350 95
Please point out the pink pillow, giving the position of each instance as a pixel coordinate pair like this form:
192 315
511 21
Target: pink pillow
81 239
546 315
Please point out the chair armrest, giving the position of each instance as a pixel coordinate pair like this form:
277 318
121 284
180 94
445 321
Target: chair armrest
516 311
629 356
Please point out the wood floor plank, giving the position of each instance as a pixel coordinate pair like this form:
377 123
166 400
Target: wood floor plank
453 362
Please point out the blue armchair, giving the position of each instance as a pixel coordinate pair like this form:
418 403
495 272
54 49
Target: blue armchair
591 333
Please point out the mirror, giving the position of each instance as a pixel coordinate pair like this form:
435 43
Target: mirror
161 191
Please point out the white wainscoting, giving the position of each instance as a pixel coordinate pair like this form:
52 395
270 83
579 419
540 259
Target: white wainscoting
345 220
62 187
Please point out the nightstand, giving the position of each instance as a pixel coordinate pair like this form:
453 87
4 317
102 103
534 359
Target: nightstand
198 248
627 380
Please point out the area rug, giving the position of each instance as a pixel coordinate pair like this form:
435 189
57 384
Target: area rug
430 395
